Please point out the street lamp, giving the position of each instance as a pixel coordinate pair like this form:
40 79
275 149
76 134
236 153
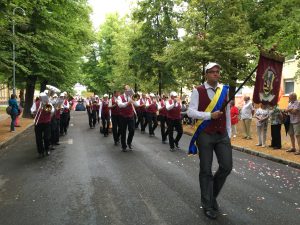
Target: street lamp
14 54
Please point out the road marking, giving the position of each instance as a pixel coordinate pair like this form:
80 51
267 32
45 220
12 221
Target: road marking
69 141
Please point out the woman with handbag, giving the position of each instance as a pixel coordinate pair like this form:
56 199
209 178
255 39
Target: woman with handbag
14 111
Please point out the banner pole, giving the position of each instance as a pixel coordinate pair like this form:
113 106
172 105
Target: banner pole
233 96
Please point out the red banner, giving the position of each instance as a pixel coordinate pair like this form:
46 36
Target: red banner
268 79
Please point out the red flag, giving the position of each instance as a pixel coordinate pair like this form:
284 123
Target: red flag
268 79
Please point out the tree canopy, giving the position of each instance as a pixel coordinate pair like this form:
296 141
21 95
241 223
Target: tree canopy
161 45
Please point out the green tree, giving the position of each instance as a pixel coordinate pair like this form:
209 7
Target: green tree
51 40
157 20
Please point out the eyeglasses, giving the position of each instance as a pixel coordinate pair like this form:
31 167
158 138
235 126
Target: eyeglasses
214 71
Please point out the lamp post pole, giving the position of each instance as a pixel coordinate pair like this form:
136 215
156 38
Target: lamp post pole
14 48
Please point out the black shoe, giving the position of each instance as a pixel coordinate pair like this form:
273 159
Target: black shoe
130 147
116 143
52 148
41 155
47 153
276 148
177 146
211 214
172 149
57 143
123 150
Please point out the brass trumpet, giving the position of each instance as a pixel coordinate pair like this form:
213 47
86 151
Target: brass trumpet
47 107
135 97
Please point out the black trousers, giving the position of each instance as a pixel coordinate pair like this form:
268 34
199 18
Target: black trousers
97 116
276 135
127 123
144 121
163 127
42 137
64 118
105 124
55 124
211 185
68 119
178 127
139 119
92 118
152 122
116 127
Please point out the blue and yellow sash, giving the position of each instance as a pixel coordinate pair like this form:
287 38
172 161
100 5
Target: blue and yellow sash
215 104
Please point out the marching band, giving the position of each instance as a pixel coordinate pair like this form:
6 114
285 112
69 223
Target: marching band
121 112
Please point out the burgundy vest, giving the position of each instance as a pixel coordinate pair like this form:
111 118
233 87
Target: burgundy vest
115 110
105 109
66 110
127 111
163 110
143 108
175 112
94 107
57 114
42 115
216 125
152 108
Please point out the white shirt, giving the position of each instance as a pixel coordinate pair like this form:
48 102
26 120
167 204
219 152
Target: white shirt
246 112
159 107
34 109
141 101
110 101
148 102
66 104
194 103
172 105
122 104
100 108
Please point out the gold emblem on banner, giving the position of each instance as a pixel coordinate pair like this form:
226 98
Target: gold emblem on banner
268 77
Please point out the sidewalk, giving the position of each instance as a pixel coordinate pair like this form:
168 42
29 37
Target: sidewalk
7 137
249 146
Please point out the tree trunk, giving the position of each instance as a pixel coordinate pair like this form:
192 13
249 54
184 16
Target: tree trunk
21 96
135 87
159 82
43 85
30 87
231 91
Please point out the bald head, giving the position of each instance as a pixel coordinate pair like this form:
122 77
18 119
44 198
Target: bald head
293 97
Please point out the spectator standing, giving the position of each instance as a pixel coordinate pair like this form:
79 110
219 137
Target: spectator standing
234 115
12 102
246 116
276 121
293 110
262 115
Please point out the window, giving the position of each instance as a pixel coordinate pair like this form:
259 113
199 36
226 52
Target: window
288 86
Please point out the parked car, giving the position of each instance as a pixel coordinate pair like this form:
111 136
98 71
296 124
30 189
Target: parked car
80 106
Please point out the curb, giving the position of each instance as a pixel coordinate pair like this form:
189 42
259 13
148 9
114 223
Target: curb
266 156
262 155
13 138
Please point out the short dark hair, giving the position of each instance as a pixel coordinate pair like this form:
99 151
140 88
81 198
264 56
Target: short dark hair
13 96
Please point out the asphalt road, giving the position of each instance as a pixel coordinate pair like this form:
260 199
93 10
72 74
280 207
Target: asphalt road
87 180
